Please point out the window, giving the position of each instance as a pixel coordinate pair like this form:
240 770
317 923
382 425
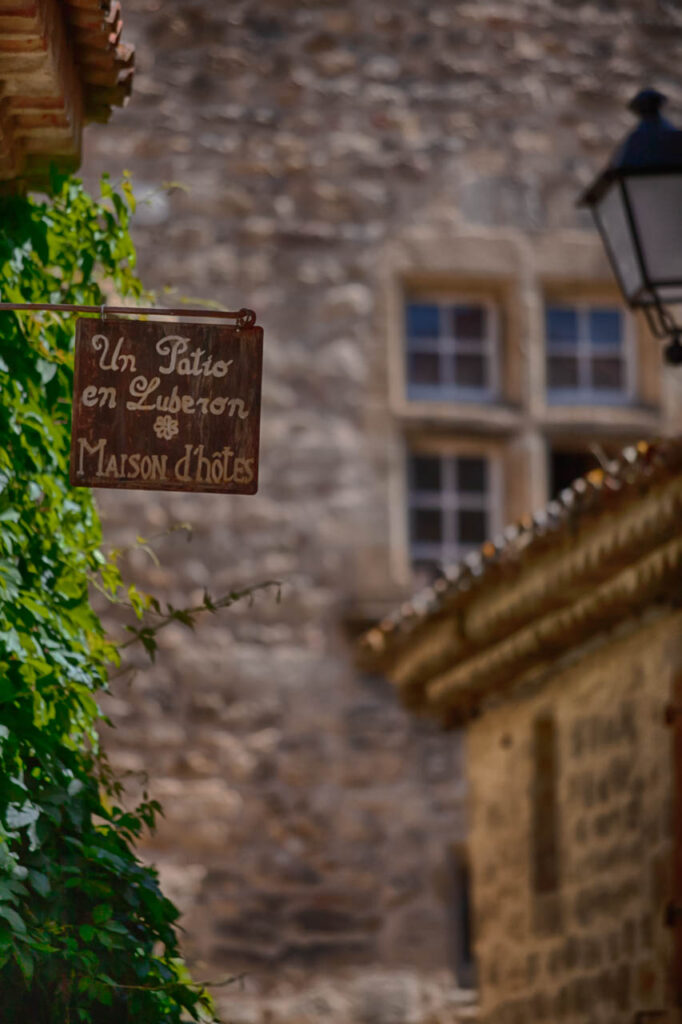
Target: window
449 508
586 353
461 917
567 466
545 809
451 350
545 850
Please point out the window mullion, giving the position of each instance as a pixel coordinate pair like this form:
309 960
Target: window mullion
583 365
450 507
442 362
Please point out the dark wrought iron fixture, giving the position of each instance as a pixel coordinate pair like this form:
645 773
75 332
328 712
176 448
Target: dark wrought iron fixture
637 204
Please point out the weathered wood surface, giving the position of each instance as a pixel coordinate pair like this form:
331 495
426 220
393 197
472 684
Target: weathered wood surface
166 406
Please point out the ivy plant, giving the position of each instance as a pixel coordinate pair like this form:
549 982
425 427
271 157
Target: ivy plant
85 933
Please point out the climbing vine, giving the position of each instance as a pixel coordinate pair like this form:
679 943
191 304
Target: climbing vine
85 932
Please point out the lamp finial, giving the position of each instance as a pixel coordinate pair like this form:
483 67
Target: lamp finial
648 103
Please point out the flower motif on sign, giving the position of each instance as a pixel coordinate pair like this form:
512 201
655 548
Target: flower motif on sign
166 427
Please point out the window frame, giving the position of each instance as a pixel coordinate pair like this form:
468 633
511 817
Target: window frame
447 347
585 350
545 824
461 917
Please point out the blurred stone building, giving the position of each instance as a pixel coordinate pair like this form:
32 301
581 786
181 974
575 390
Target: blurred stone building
391 187
561 650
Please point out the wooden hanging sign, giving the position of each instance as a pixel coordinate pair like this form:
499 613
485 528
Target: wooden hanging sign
166 406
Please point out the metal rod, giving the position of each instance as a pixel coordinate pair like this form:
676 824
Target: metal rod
244 317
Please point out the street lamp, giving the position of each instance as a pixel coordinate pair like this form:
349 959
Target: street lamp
637 204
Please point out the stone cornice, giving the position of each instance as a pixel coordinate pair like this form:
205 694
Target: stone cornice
656 577
580 563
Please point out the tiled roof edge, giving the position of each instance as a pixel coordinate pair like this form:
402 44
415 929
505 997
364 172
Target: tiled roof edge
637 465
105 63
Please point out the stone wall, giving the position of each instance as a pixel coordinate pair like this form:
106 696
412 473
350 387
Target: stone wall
308 819
589 943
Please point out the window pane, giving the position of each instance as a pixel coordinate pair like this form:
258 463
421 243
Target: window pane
562 372
565 467
605 327
422 320
472 526
470 372
607 374
468 322
561 324
424 368
472 475
426 524
426 473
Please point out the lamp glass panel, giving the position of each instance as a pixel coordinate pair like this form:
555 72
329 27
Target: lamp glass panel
656 202
612 219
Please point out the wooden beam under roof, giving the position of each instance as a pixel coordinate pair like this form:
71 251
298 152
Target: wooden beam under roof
62 65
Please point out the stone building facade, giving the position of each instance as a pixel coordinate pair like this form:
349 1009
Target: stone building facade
391 188
563 654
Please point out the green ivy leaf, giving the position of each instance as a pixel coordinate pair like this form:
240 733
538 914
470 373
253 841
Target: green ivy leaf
76 905
102 913
13 919
26 963
40 882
